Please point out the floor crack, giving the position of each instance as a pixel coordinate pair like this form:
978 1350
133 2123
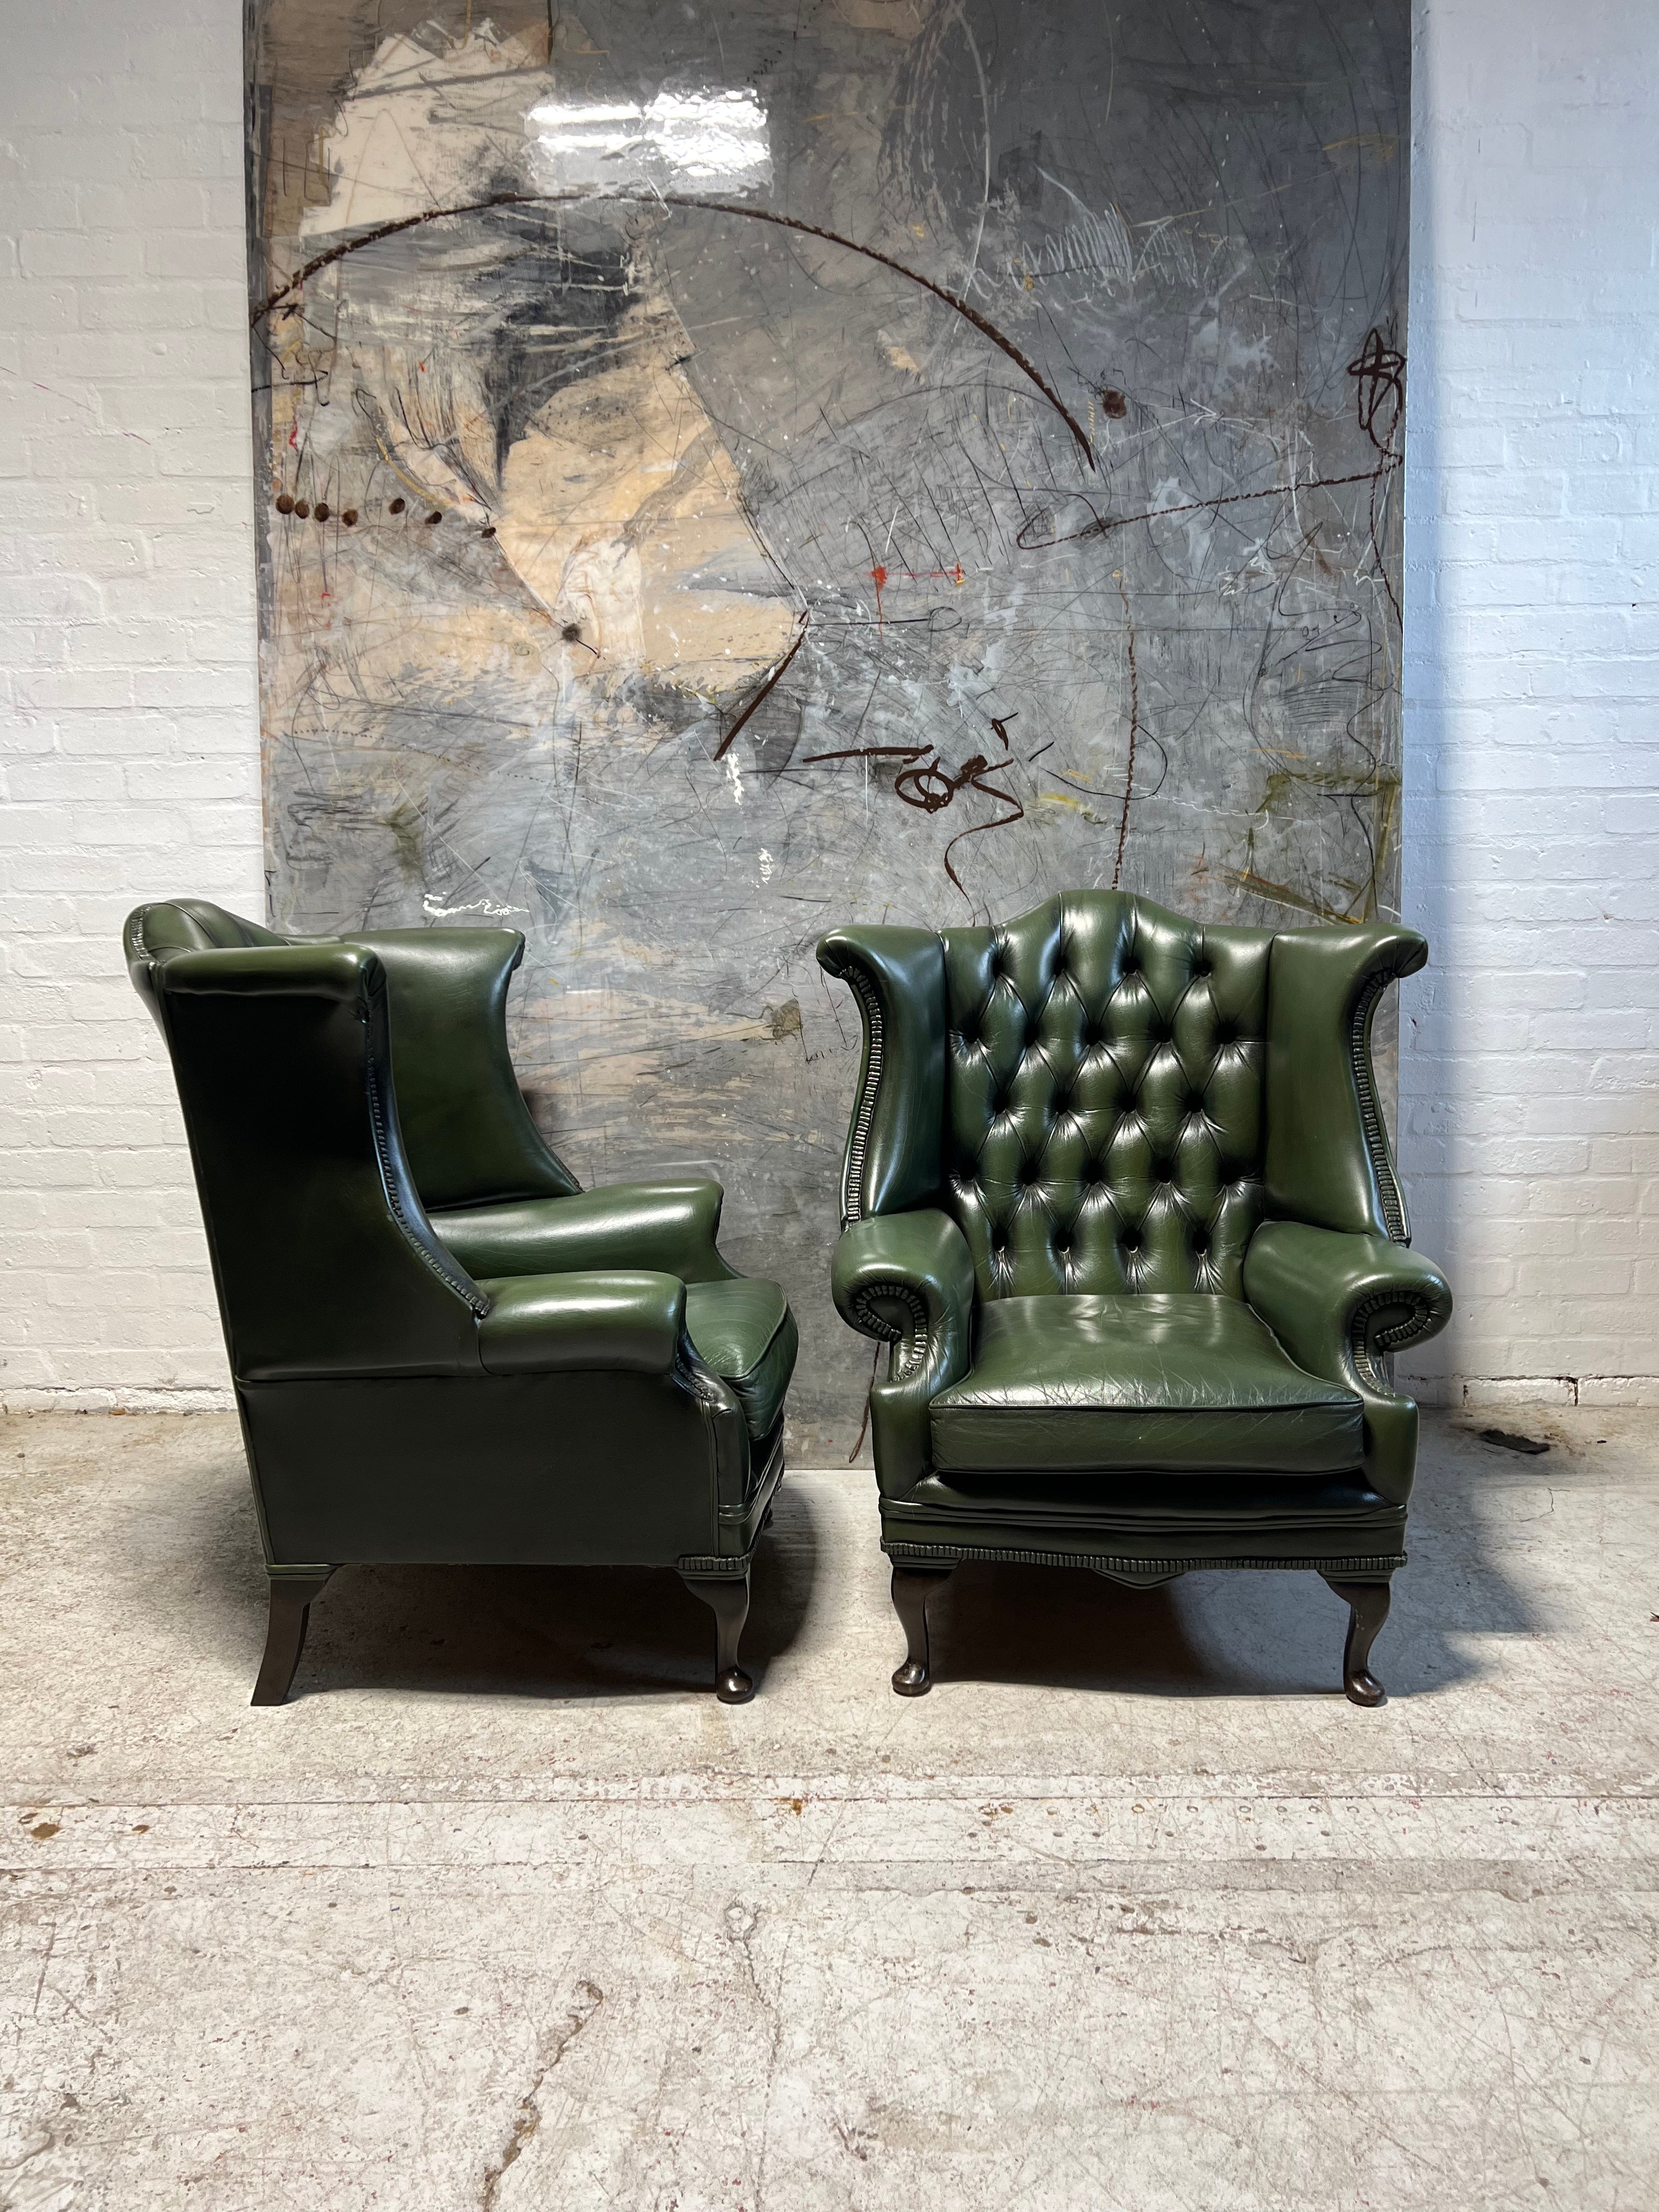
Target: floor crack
528 2116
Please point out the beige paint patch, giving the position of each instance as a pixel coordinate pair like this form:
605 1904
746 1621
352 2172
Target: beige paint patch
619 500
619 507
417 125
899 19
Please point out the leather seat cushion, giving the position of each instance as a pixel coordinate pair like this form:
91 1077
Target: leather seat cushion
744 1331
1181 1382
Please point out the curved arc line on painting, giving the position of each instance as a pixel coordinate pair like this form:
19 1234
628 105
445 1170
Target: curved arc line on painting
284 292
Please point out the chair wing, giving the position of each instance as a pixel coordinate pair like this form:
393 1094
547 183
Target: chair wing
897 976
468 1132
1328 1161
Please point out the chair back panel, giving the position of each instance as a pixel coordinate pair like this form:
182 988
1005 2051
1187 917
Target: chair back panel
1103 1098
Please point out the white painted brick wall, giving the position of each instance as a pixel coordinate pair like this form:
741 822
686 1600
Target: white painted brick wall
1530 1083
127 678
1529 1093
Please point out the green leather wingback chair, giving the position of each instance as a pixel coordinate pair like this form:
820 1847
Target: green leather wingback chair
1118 1194
443 1349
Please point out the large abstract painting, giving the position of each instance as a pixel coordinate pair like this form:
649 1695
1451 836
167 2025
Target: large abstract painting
731 469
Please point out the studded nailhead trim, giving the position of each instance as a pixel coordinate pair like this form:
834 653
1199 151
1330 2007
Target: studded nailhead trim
1371 1113
1408 1331
863 989
462 1286
1108 1562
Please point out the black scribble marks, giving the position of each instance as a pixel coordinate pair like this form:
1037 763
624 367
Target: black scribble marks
1003 821
434 740
926 784
765 690
286 295
1103 525
1379 374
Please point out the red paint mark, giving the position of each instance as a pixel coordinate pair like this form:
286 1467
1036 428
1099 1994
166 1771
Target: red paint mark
294 437
878 576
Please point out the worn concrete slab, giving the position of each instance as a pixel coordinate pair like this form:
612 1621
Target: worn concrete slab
504 1910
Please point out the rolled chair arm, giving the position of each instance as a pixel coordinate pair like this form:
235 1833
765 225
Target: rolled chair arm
1340 1302
908 1280
275 972
667 1225
623 1319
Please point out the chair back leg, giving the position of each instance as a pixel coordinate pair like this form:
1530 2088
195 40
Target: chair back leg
292 1590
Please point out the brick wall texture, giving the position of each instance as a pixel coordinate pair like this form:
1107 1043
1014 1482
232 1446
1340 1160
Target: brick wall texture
1529 1091
127 662
1529 1088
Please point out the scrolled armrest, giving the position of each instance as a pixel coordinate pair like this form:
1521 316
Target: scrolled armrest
907 1279
1340 1302
619 1319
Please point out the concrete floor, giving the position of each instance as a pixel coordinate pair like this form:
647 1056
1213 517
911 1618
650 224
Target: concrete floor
1134 1910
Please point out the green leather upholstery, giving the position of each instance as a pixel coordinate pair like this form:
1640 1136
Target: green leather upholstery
1118 1194
621 1225
1103 1102
743 1328
1179 1382
533 1374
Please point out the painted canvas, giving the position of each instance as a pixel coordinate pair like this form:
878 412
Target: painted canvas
733 468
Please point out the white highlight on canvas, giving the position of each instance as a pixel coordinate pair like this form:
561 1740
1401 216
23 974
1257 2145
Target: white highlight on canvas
435 909
713 142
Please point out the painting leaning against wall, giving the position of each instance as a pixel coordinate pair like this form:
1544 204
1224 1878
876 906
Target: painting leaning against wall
731 470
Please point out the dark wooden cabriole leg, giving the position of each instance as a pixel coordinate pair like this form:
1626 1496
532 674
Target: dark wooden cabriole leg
1368 1608
912 1588
285 1634
727 1598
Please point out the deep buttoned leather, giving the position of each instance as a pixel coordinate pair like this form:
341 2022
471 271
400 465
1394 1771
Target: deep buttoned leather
407 1394
1104 1099
1105 1277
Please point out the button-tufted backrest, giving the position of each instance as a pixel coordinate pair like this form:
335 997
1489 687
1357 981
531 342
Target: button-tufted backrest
1103 1098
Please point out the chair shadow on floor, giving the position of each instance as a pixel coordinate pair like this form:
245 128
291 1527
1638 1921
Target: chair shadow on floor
1239 1632
533 1632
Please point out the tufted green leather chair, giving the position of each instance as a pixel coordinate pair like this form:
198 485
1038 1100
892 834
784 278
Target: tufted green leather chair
1118 1195
443 1349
